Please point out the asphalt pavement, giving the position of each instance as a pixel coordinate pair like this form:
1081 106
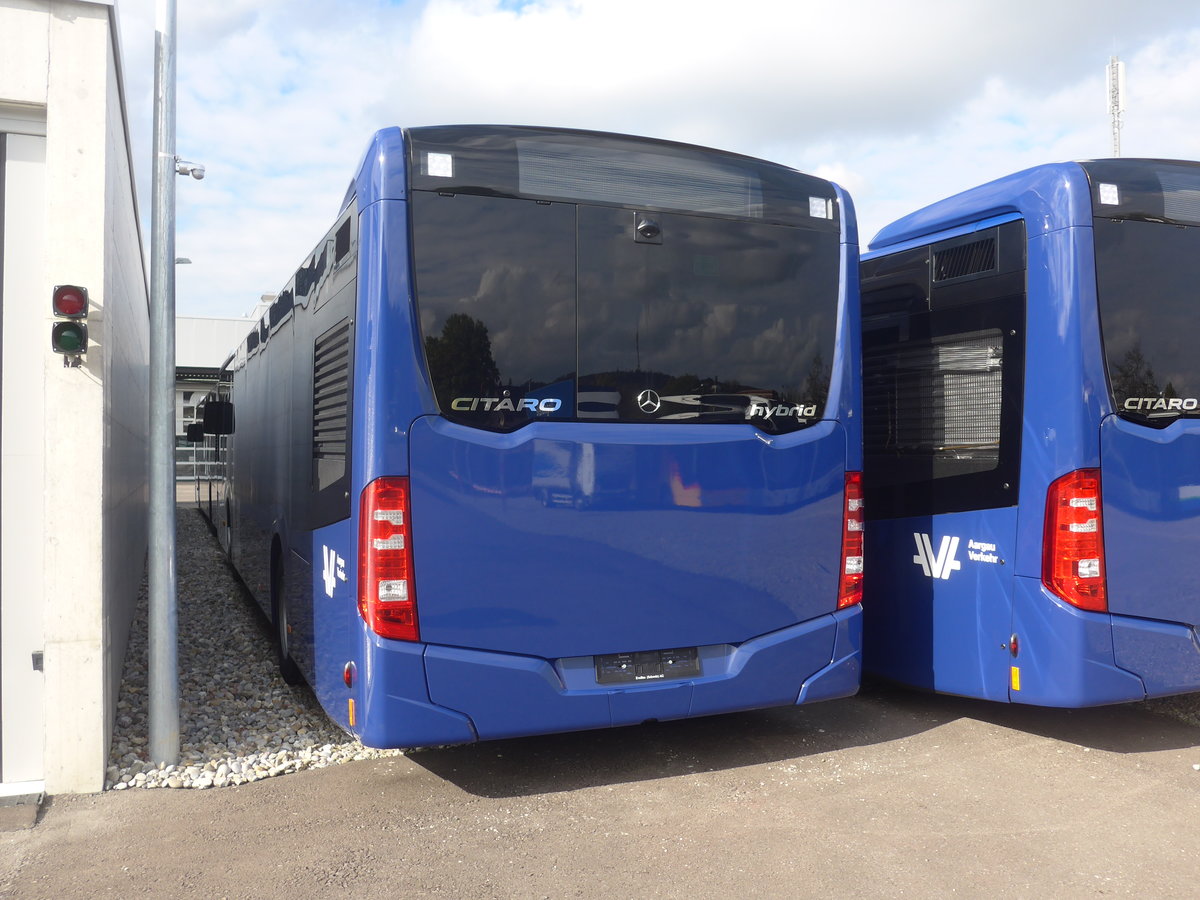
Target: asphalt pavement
889 794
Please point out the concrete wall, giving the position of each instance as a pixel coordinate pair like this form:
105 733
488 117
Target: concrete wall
126 399
61 56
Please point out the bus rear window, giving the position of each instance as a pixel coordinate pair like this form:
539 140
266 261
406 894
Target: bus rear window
1146 274
536 310
713 321
615 170
495 284
638 177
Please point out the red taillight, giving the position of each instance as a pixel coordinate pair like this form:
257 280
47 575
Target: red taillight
850 587
1073 542
385 583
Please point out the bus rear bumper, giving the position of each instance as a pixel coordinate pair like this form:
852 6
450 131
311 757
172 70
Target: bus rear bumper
1165 655
504 695
395 709
1072 658
842 677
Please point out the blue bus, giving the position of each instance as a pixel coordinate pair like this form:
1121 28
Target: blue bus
556 430
1032 437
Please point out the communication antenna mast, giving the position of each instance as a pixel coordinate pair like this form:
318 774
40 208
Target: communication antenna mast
1116 99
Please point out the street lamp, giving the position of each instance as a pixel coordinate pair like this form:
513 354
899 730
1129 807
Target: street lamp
183 167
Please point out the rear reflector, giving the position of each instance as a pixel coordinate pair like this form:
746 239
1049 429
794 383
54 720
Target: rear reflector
1073 541
850 586
385 595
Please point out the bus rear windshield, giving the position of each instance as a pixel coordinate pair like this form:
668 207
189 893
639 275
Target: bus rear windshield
1147 275
1146 228
551 310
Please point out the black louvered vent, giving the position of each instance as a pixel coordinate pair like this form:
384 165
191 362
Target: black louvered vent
331 396
965 259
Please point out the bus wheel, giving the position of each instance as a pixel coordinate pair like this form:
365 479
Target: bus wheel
288 669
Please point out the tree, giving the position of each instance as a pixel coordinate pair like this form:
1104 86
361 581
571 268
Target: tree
1133 377
460 360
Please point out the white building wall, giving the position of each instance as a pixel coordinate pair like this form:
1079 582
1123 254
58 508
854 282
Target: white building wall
208 342
24 52
60 55
22 434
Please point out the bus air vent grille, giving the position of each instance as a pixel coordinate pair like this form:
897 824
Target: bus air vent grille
331 381
965 259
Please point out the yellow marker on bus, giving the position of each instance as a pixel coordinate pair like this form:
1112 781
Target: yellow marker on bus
1015 678
351 708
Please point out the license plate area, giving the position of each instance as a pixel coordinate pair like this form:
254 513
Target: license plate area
647 665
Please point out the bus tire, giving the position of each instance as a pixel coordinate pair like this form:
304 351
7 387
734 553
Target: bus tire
288 670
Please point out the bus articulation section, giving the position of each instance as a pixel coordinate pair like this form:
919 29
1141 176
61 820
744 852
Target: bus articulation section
557 430
1032 446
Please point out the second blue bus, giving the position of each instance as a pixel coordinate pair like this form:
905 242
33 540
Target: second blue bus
1032 437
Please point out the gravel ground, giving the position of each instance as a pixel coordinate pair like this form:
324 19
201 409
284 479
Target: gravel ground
1185 707
239 721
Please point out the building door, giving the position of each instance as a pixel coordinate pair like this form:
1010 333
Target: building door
24 314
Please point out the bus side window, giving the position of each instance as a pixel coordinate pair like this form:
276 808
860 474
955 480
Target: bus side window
341 242
943 374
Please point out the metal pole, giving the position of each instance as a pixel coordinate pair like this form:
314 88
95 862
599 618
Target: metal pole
1116 100
164 664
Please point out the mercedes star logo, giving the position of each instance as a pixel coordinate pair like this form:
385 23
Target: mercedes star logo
649 402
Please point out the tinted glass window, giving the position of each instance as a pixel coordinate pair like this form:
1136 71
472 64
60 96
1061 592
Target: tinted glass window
638 176
1152 190
1148 279
943 375
495 284
706 320
710 320
597 167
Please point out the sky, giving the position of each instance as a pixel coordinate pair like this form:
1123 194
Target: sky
901 102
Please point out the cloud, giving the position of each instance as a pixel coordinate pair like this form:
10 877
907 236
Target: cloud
902 103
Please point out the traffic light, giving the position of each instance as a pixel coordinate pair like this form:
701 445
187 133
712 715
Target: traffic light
70 338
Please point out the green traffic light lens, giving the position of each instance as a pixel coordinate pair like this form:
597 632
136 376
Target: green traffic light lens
69 337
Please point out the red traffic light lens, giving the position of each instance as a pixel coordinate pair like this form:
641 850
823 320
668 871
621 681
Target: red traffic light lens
70 301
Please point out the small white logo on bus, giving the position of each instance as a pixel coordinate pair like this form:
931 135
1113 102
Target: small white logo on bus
1161 404
333 569
505 404
982 551
941 564
767 410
